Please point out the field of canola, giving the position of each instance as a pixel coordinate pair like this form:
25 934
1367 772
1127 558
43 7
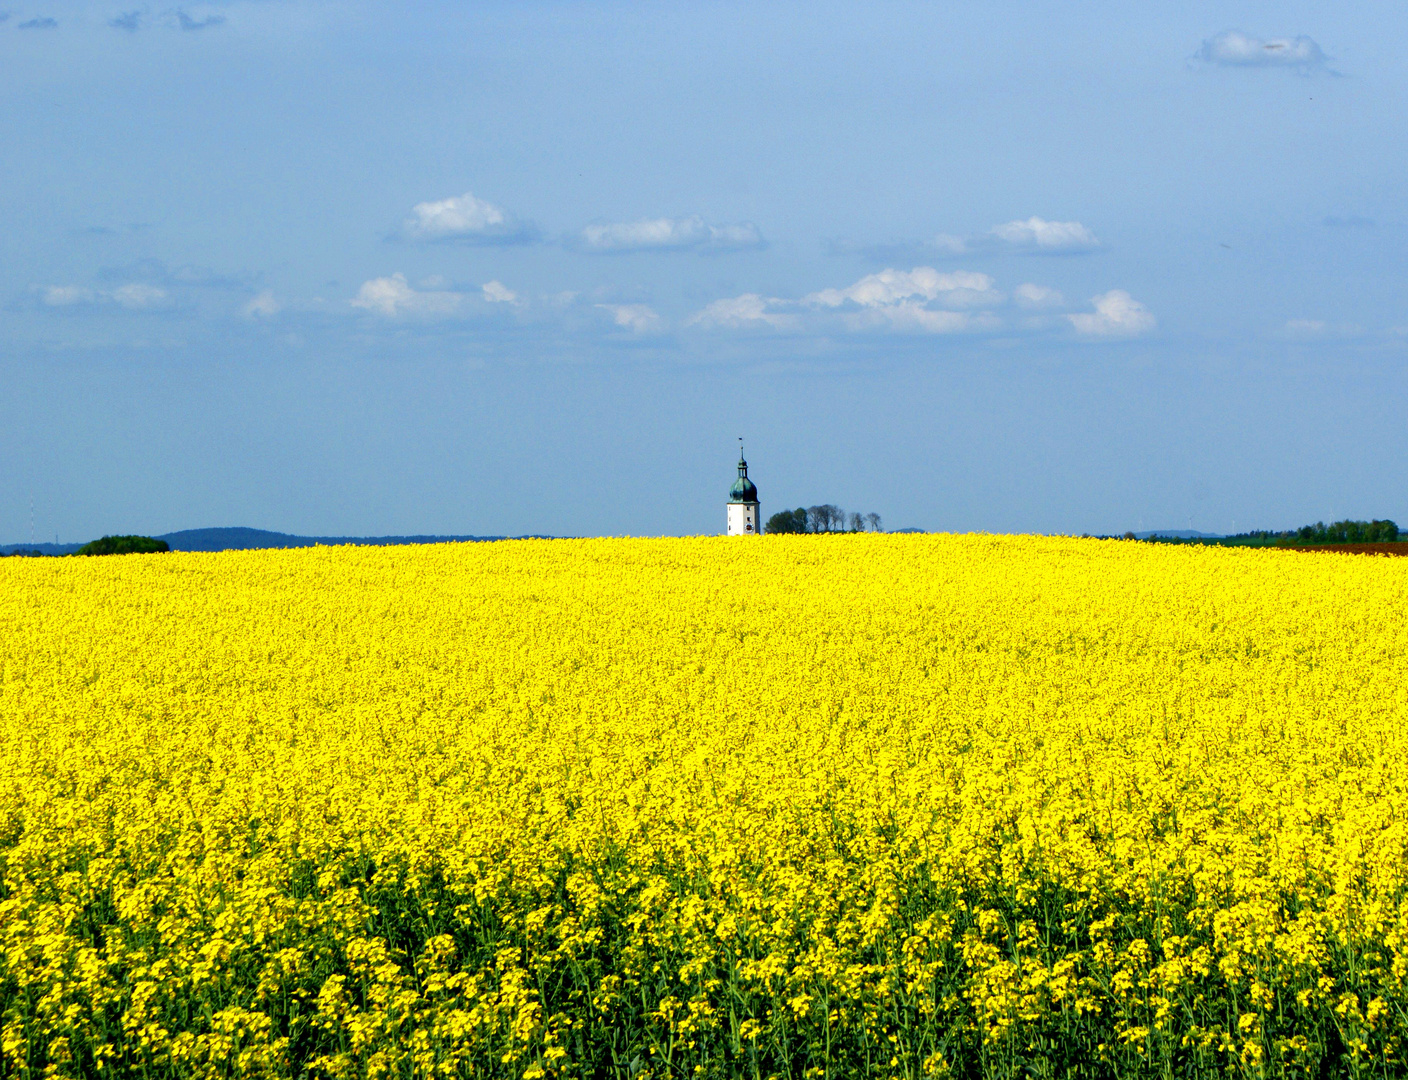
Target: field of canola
799 807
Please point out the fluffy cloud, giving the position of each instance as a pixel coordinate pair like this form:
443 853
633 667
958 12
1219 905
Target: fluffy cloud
742 312
913 317
1037 296
1232 48
43 23
637 318
921 300
67 295
262 306
140 297
1038 234
136 296
495 292
1117 314
670 234
961 288
466 219
131 21
393 297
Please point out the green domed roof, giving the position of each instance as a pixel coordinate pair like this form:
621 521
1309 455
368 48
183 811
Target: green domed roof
743 490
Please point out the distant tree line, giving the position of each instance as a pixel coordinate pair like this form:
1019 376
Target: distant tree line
1338 532
1348 532
825 518
107 545
123 545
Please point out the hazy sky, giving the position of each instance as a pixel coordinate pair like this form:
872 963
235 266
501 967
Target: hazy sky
363 268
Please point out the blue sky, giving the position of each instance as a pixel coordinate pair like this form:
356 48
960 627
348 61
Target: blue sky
502 268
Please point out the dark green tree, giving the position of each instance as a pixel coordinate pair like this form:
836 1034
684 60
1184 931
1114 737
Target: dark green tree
122 545
787 521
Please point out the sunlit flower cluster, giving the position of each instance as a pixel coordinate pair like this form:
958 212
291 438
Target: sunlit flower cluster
812 806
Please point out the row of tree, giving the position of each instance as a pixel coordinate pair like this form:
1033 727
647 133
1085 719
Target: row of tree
111 545
825 518
1338 532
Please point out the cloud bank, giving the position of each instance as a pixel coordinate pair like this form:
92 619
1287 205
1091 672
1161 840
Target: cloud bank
1037 234
751 310
961 288
135 296
1232 48
1117 314
924 300
637 318
669 234
465 219
394 297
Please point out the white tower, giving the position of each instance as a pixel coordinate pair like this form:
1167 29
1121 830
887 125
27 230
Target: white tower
743 502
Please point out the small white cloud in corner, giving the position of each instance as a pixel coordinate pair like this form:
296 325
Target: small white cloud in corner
462 217
670 234
1037 296
1117 314
1040 235
393 296
741 312
263 306
1232 48
638 318
495 292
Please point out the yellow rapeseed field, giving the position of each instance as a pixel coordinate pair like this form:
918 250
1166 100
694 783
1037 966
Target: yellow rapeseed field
837 806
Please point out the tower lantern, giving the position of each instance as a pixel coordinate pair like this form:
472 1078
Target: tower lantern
743 502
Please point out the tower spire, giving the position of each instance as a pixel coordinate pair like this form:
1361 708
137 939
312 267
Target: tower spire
743 501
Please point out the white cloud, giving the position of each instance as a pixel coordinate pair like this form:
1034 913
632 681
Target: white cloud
136 296
393 297
1305 327
1040 235
911 316
140 297
741 312
495 292
670 234
67 295
1232 48
1037 296
262 306
465 218
1117 314
961 288
638 318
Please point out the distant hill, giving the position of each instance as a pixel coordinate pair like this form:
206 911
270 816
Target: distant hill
42 549
244 539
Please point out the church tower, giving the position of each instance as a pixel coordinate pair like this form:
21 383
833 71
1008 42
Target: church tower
743 502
